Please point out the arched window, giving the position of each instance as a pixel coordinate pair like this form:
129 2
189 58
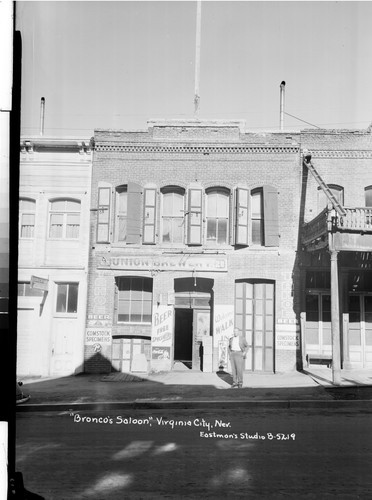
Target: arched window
368 196
173 214
337 191
64 219
257 217
217 214
26 218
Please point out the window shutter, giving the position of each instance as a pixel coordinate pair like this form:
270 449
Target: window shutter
134 213
149 216
195 217
271 221
103 215
242 217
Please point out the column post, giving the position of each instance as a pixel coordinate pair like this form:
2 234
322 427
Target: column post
335 321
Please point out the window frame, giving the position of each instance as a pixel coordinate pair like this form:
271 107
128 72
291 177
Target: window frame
218 190
257 191
65 213
131 301
337 191
167 190
27 212
66 313
118 191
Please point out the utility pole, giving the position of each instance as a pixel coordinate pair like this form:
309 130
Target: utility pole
197 58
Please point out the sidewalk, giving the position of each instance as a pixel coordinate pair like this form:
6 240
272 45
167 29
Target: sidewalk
186 388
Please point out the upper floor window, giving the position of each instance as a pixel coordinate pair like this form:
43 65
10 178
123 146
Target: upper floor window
26 218
217 215
257 217
67 298
173 214
64 221
121 213
368 196
134 303
337 191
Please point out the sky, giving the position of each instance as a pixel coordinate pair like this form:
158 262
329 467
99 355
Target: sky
118 64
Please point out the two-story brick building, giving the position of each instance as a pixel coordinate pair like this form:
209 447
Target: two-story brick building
194 229
55 179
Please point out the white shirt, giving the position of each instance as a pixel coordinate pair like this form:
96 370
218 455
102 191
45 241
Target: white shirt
235 346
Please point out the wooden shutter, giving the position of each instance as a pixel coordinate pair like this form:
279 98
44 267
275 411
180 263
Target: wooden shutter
103 215
149 216
195 217
242 217
271 220
134 213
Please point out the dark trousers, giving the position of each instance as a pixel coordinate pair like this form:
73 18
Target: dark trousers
237 366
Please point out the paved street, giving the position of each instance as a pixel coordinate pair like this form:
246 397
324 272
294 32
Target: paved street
174 454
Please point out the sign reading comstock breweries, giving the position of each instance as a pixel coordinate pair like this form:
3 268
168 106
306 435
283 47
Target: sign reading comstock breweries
182 262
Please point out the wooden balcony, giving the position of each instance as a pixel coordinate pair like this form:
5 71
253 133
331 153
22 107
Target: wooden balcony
351 231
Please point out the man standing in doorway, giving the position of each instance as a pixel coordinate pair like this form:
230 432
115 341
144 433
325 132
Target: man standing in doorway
238 348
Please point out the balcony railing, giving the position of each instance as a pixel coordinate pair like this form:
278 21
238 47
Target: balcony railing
356 219
316 228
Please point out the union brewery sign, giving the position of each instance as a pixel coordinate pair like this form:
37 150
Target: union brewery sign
165 263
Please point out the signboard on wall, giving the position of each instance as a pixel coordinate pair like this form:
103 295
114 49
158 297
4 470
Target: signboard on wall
162 337
223 329
287 337
98 336
183 262
39 283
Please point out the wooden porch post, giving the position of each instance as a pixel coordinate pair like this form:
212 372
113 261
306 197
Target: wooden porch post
345 330
335 321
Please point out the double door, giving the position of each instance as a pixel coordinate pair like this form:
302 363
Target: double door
360 330
318 331
254 317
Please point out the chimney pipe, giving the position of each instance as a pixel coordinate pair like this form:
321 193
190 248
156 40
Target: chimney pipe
42 115
282 88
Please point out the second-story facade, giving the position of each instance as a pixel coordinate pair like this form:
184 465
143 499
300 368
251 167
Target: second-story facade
194 229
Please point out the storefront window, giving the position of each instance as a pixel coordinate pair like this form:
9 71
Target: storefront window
134 300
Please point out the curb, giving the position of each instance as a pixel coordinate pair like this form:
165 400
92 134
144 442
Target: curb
200 404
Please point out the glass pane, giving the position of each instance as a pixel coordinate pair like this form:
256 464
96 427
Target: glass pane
72 298
211 229
212 205
61 298
269 291
73 225
259 307
249 322
178 204
259 323
368 304
238 306
168 204
177 227
239 321
166 230
269 339
222 209
269 320
327 338
73 206
27 225
312 337
258 339
257 232
239 290
249 290
56 226
256 205
27 205
222 231
58 205
368 197
147 287
368 337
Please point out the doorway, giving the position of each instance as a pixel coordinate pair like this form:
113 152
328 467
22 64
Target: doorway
360 330
191 325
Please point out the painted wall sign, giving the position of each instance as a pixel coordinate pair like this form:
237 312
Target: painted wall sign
160 353
287 338
182 262
39 283
98 335
162 326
